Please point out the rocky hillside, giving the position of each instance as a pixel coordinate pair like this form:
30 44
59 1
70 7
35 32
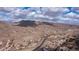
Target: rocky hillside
38 36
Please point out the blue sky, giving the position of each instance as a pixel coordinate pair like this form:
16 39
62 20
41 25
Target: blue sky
49 14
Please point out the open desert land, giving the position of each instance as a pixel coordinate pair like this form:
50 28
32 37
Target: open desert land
38 36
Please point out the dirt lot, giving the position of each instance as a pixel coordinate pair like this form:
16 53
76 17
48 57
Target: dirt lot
40 37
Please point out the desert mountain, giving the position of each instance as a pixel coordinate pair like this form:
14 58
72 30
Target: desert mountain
42 36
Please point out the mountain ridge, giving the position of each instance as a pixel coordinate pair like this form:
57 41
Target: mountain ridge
41 37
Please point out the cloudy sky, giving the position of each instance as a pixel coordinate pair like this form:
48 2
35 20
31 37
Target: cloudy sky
48 14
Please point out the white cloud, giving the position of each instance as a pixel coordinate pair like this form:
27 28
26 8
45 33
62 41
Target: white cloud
49 13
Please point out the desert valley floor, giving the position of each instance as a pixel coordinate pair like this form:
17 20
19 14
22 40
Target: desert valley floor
38 36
